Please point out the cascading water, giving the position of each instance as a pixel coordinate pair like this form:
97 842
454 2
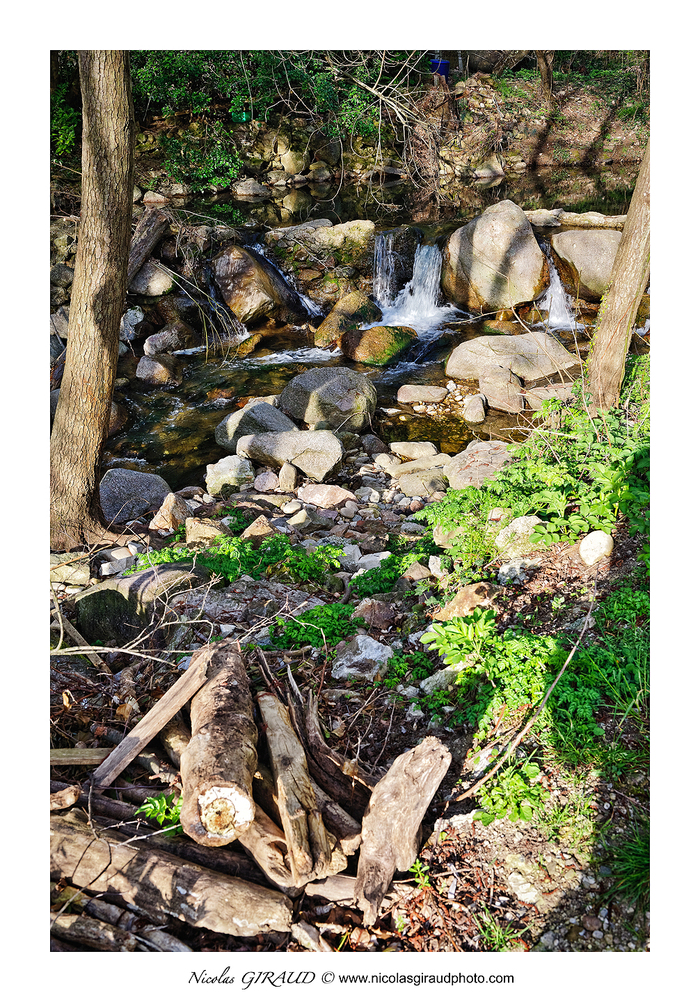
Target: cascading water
556 302
417 305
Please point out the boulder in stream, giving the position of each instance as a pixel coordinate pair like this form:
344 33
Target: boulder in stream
376 345
349 313
332 397
536 357
585 259
316 453
494 262
127 494
254 418
252 289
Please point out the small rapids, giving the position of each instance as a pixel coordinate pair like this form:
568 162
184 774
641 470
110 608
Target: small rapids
419 304
556 302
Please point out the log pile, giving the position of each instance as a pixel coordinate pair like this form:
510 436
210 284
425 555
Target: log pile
269 811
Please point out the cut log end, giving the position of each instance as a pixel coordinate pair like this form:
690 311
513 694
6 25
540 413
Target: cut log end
223 811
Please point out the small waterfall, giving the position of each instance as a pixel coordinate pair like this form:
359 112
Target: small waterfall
384 281
556 302
417 305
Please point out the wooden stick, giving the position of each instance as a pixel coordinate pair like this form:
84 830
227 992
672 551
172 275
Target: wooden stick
391 825
161 885
346 782
78 756
267 845
218 765
308 846
156 718
149 230
82 642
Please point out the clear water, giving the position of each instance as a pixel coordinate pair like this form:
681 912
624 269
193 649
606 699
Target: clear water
556 302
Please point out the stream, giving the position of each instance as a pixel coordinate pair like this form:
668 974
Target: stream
171 430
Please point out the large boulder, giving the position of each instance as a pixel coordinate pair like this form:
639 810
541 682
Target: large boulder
316 453
254 418
477 463
118 609
536 357
376 345
494 262
349 313
331 397
585 259
127 494
252 288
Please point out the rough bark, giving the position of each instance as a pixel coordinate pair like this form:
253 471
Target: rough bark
619 306
218 765
308 845
175 737
161 886
82 415
92 933
265 842
390 828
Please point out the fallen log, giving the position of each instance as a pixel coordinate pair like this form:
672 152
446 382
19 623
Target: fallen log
346 831
157 717
161 886
175 737
390 827
105 811
149 229
264 841
308 846
346 782
218 765
97 908
92 933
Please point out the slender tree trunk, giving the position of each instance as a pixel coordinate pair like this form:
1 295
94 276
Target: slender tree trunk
545 61
618 309
97 302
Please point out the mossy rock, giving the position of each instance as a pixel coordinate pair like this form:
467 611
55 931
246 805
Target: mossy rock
118 609
377 345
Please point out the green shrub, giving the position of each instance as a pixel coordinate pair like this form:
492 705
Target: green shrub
323 625
65 121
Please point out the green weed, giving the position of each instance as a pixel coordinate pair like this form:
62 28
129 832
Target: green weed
165 810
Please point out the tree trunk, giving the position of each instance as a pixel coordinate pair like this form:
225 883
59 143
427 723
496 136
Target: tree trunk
545 61
618 309
97 302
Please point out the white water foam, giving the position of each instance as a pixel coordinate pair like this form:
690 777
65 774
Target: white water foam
417 304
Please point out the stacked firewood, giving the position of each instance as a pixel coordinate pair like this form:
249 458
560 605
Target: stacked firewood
269 811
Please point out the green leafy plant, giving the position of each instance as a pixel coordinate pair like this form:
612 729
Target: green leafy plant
496 937
321 625
65 121
165 810
513 792
455 639
405 669
209 160
421 873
